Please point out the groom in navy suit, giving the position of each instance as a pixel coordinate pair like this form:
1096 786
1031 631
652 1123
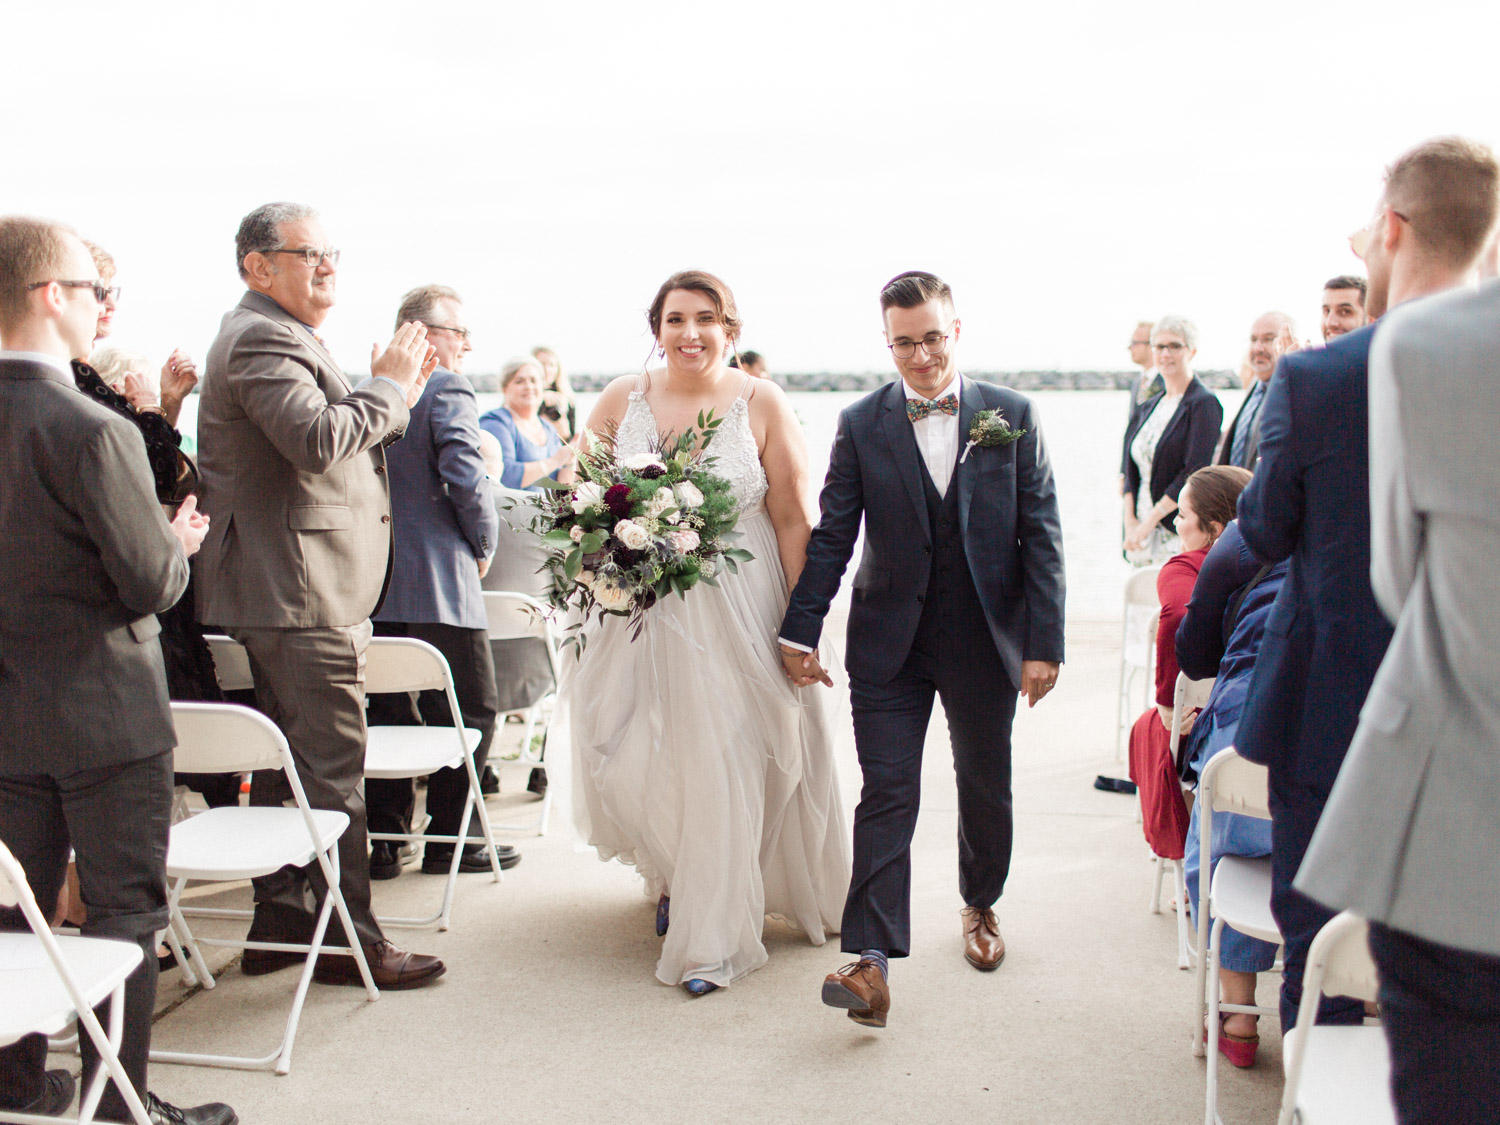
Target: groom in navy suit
959 594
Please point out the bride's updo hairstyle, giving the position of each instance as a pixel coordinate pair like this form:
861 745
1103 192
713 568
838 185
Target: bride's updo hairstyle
699 281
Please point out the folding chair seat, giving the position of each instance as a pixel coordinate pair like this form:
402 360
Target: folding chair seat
1337 1073
404 664
1137 650
518 617
51 981
1188 694
1238 895
236 843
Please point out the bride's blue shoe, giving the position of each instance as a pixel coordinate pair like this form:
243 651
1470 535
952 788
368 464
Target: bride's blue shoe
663 915
696 987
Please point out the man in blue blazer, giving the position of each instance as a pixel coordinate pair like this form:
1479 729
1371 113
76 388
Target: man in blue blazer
1310 501
959 594
445 528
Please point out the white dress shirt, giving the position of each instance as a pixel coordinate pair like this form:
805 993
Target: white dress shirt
937 435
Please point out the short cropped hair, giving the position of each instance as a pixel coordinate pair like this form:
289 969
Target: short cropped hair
912 288
1284 321
260 230
1349 281
1448 189
1178 326
421 303
31 250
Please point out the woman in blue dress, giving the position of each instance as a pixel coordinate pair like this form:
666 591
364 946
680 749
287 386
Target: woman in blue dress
532 446
1220 636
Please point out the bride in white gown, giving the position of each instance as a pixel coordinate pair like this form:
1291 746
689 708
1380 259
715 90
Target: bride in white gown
694 759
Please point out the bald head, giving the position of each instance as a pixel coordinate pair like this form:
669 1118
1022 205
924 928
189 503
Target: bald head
1270 337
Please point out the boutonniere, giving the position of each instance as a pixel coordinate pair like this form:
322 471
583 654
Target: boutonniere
989 428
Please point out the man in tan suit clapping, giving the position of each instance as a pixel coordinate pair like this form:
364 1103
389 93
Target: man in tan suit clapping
294 476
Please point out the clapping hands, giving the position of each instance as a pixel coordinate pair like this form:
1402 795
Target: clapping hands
407 361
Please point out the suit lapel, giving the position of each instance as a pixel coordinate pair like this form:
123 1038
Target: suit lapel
970 403
267 307
904 455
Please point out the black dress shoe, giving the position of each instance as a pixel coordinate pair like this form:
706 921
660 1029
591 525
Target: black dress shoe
55 1098
210 1113
537 782
489 782
473 860
385 859
259 962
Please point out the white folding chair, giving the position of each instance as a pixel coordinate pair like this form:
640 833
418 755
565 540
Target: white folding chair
404 664
516 616
1187 695
51 981
1336 1073
237 843
1238 895
1137 650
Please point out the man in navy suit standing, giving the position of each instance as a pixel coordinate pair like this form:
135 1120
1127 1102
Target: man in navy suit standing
959 594
1310 501
445 528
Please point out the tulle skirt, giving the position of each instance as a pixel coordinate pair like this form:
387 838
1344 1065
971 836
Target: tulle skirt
696 761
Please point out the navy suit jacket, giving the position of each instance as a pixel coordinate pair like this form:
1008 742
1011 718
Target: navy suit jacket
1186 445
1309 501
443 513
1007 512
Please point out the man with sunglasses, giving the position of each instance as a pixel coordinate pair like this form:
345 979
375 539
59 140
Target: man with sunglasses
959 595
1310 501
87 560
293 467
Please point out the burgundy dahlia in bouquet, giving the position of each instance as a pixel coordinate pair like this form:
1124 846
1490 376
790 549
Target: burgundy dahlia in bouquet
634 530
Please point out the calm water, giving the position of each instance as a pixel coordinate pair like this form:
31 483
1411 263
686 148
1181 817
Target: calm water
1083 431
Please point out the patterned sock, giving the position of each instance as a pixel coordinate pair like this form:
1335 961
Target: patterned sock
880 959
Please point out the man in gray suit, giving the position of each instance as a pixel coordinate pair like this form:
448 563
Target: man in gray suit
1411 837
293 470
86 561
446 527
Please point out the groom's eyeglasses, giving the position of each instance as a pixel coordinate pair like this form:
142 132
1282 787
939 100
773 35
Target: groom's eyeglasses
932 344
101 291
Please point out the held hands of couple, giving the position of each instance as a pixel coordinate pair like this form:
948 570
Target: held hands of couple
803 668
407 361
1038 677
189 526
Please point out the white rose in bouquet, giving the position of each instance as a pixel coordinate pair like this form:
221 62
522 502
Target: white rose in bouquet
588 495
684 540
632 535
661 500
688 495
612 596
586 579
575 533
643 461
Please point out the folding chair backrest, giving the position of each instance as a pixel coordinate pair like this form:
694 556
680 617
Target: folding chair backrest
1238 785
225 738
1185 696
1140 587
1344 946
403 664
231 663
513 616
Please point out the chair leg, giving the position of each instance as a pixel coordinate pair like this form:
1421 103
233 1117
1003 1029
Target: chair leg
1211 1025
178 921
1161 867
108 1047
1182 913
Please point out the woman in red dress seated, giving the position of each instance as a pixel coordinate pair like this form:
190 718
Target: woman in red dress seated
1206 507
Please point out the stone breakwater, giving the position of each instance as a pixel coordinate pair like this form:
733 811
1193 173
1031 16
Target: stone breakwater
869 380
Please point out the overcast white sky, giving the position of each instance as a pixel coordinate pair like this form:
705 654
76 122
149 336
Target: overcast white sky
1069 167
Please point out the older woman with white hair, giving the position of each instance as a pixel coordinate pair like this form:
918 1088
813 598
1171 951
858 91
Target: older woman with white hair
531 445
1168 444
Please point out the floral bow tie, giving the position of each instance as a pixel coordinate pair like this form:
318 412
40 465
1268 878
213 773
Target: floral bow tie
919 408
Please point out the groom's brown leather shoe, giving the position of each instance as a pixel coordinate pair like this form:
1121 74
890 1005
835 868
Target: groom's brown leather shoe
984 948
862 989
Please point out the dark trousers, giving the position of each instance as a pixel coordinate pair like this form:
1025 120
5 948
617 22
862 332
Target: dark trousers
392 800
116 819
1441 1011
890 727
311 684
1295 810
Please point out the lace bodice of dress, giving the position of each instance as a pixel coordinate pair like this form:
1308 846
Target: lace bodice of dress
737 459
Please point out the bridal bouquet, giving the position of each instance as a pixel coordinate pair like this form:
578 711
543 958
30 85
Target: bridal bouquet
637 529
